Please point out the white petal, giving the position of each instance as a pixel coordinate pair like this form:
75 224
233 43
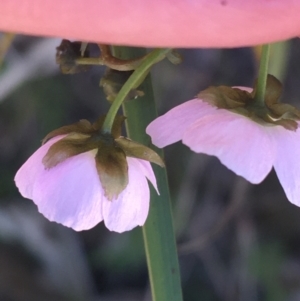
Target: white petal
131 208
69 193
287 163
169 128
241 144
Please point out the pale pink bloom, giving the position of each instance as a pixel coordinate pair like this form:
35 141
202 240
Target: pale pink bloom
71 193
246 147
171 23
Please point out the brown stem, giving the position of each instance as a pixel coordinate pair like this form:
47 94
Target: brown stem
110 61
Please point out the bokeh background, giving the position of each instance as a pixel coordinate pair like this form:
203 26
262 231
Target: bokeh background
236 241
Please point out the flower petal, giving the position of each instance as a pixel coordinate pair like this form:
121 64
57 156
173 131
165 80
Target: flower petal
146 169
70 193
287 163
32 168
132 206
169 128
240 144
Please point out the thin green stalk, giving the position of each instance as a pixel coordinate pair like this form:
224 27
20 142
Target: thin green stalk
262 75
133 80
158 231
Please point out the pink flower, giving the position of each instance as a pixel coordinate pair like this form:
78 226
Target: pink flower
248 148
171 23
71 193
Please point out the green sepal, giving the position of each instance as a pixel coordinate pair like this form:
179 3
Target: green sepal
288 124
116 130
273 90
279 110
112 168
139 151
69 146
243 103
224 97
83 127
97 125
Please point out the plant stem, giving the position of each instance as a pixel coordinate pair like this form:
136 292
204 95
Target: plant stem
262 75
137 75
158 231
107 59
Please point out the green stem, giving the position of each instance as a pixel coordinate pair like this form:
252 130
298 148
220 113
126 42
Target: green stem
134 79
262 75
158 231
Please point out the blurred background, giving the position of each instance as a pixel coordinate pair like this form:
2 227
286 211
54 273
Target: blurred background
236 241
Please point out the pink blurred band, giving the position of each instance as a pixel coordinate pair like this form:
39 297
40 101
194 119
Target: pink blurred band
152 23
